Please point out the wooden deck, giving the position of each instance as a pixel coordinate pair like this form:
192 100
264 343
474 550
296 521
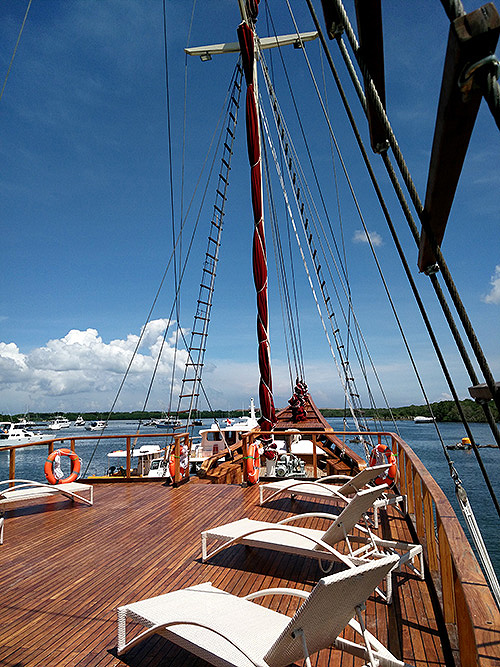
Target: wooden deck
65 568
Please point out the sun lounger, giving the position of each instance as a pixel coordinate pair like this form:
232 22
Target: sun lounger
319 544
232 631
324 488
18 490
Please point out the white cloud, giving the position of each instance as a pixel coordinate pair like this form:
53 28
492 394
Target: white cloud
82 372
494 295
361 237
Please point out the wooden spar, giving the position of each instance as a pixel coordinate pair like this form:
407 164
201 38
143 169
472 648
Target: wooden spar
481 392
371 42
472 38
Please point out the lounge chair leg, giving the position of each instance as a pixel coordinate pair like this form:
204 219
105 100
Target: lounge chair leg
203 547
122 621
371 658
300 633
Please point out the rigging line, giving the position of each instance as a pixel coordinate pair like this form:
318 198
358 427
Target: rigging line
184 125
279 120
15 48
165 273
444 270
331 131
299 120
407 271
281 123
279 270
304 261
172 208
372 91
339 208
282 276
270 22
365 157
379 195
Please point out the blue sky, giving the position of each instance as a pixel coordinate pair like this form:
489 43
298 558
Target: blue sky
86 207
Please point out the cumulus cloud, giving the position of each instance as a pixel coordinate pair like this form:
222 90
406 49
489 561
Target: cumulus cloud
79 369
493 295
360 236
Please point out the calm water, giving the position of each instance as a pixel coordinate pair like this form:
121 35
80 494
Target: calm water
421 437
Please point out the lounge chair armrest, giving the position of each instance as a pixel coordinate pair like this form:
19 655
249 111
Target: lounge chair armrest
277 527
330 477
123 647
307 515
276 591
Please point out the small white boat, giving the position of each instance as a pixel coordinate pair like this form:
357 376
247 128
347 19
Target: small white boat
58 423
146 456
17 434
80 421
220 436
95 426
166 422
423 420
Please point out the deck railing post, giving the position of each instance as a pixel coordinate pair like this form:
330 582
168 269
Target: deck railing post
187 444
72 444
409 486
129 453
447 578
177 460
430 532
244 450
315 457
419 515
12 463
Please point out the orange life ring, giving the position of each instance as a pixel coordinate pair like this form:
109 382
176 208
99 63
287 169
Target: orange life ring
377 458
76 465
253 463
171 467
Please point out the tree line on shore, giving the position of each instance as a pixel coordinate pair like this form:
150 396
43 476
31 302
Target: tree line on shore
443 411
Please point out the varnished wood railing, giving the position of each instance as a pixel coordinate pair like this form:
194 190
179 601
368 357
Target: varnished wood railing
178 440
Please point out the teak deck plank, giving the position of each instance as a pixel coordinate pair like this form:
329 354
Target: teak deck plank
66 567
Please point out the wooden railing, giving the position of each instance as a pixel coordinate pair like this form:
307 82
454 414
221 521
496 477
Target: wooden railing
178 440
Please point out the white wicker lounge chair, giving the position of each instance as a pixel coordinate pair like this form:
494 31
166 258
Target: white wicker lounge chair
325 488
320 544
230 631
18 490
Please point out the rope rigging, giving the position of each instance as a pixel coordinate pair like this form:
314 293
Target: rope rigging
344 24
460 491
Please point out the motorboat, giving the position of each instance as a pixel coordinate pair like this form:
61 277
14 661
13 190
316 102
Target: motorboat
95 426
146 456
166 422
423 420
17 434
80 421
58 423
220 436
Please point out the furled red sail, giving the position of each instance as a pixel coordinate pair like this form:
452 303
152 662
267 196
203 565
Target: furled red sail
268 419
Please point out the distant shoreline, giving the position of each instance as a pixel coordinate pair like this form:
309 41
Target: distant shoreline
442 411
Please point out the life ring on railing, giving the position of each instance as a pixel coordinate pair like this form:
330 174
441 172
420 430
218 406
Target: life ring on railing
253 463
49 468
183 463
379 453
171 467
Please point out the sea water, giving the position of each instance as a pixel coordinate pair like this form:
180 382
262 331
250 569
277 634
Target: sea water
422 438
